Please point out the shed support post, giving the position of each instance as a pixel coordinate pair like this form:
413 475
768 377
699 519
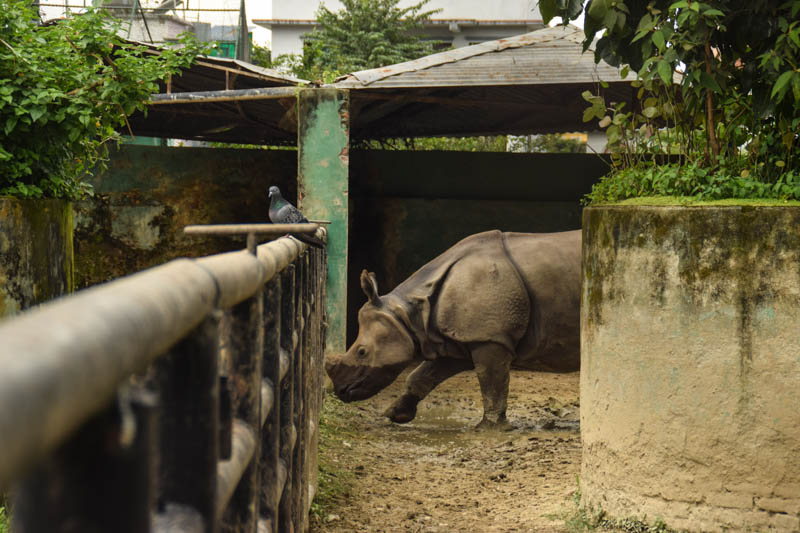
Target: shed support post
323 152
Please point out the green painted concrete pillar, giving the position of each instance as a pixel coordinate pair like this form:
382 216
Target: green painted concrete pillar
323 148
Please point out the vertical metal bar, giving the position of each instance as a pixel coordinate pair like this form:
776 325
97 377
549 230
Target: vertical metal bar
319 284
101 480
246 349
251 237
311 381
316 387
188 384
225 399
288 344
132 18
271 475
225 419
299 408
306 388
143 459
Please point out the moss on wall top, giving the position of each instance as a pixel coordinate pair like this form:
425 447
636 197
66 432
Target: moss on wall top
720 254
690 201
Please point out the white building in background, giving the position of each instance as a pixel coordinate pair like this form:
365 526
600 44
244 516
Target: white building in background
209 19
459 23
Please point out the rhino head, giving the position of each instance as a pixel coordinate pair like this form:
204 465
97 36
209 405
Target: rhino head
382 350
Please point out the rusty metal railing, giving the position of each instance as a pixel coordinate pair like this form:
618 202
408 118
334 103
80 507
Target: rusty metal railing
182 398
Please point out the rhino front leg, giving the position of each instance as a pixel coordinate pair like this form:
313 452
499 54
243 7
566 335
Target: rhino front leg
493 366
420 382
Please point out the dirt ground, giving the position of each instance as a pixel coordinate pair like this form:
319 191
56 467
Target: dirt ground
437 474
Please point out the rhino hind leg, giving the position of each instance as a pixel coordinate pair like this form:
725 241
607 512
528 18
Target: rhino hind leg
420 382
492 366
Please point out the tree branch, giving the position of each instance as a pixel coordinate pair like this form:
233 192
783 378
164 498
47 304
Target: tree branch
711 131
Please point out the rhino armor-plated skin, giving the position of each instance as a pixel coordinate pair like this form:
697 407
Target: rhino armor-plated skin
492 301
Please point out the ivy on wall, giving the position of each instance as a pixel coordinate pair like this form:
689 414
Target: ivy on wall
65 89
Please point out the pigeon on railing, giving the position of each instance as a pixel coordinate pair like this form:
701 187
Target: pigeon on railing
282 212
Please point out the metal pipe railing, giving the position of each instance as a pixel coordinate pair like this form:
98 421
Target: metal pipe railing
62 365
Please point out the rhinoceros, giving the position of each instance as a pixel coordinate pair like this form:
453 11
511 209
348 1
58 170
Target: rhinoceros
492 301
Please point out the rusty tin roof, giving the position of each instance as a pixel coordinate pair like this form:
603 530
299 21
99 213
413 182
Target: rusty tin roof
547 56
527 84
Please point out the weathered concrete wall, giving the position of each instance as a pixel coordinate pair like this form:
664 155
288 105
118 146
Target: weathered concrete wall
404 209
148 194
690 365
36 254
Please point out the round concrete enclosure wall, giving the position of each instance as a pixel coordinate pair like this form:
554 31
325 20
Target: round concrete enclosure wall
690 365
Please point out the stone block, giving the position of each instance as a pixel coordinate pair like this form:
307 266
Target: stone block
730 499
779 505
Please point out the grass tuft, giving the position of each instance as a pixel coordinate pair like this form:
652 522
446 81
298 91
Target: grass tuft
582 519
335 479
694 201
5 526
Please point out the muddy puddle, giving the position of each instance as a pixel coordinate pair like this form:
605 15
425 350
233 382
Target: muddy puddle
437 474
442 425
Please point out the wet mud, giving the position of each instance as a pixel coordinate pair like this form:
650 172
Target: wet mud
437 474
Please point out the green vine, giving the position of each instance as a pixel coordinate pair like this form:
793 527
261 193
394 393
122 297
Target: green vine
66 88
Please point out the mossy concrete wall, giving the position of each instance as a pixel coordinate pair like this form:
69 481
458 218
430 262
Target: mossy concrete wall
690 365
402 208
36 254
148 194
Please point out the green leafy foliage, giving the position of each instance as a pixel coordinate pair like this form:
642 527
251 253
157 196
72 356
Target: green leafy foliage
547 143
4 520
305 66
365 34
335 481
261 56
65 89
493 143
719 88
649 178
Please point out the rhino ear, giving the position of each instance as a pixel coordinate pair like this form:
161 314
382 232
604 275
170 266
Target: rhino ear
369 284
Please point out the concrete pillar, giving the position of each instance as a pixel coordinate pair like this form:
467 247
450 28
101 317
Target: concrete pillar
690 357
323 148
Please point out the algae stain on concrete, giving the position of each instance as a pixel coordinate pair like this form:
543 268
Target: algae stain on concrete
137 226
36 252
732 296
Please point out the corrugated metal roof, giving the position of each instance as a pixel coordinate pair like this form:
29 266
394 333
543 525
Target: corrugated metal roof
208 73
256 122
267 23
273 76
547 56
530 83
520 85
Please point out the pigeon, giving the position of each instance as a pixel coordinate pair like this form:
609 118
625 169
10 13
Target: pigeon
282 212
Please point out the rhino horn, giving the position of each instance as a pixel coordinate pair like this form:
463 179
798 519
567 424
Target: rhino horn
369 284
